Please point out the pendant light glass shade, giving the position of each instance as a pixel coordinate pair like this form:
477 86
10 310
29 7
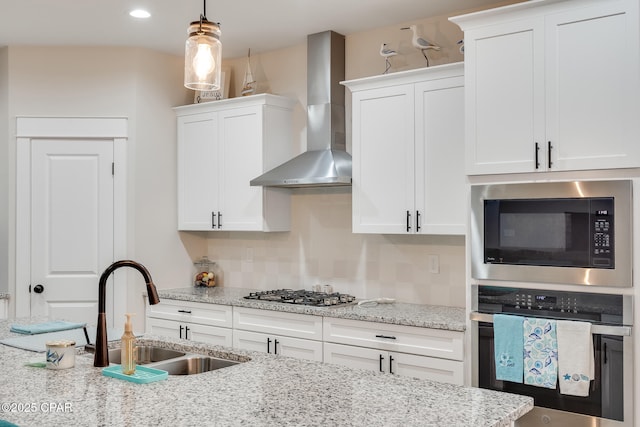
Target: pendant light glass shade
203 56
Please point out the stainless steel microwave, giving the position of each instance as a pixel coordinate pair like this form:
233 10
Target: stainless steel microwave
577 232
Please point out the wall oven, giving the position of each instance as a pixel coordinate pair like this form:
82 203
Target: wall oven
575 232
610 398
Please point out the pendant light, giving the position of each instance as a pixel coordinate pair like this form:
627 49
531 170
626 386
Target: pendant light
203 54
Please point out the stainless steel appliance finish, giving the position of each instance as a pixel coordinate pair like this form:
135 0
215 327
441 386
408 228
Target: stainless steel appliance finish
326 161
610 401
616 270
303 297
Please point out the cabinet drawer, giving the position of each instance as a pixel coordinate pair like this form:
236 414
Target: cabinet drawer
406 339
278 323
192 312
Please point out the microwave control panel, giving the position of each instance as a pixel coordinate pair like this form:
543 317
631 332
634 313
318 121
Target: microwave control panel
602 233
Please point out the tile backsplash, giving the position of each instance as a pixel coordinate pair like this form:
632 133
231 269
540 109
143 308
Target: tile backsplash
321 249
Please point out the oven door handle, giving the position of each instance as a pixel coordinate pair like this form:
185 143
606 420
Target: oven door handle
623 331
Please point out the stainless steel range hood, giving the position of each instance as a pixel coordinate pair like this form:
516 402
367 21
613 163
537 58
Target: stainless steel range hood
326 161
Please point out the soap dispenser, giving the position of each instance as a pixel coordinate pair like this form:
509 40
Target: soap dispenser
128 348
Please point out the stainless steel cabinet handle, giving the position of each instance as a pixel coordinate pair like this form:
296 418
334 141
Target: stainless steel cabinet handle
390 364
184 311
536 155
381 359
186 332
219 219
418 221
549 147
275 346
408 221
268 344
181 331
213 220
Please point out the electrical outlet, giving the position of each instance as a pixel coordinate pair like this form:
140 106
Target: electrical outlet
434 264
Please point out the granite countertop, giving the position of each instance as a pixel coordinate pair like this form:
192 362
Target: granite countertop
421 315
266 390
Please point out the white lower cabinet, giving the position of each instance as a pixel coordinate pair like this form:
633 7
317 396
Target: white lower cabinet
403 364
285 334
424 353
209 323
276 344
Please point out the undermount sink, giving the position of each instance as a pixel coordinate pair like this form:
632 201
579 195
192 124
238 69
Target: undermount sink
173 361
146 354
194 364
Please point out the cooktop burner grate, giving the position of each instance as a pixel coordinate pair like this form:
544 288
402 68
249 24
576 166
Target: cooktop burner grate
303 297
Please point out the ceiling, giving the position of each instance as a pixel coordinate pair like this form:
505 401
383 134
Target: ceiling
257 24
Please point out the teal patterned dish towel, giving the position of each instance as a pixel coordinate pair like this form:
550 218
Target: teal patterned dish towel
540 352
41 328
507 345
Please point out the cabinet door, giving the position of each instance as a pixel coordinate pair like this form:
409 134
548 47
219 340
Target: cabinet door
190 331
383 160
356 357
504 87
427 368
197 171
592 76
274 344
167 328
209 334
440 174
240 139
402 364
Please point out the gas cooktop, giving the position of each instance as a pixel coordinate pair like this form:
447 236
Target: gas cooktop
303 297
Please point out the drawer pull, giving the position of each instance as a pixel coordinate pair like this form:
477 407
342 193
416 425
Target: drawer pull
387 337
184 311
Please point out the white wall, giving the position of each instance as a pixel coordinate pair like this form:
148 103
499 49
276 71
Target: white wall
134 83
4 171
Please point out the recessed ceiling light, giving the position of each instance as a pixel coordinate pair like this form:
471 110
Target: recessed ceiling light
140 13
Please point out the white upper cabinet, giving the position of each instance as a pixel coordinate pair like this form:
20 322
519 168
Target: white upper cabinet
407 139
552 86
222 145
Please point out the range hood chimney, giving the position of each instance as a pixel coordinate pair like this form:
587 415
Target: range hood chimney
326 161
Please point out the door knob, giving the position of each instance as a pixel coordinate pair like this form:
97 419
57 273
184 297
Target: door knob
38 289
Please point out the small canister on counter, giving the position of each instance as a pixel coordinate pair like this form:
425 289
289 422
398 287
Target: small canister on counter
206 273
61 354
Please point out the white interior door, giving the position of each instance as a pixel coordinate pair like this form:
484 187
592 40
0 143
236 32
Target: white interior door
72 225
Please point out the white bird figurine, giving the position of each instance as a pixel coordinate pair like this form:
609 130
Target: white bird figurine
420 43
387 53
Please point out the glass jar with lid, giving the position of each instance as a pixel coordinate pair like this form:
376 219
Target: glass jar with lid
205 273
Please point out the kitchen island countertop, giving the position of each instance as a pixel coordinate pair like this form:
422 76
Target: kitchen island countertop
267 390
421 315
